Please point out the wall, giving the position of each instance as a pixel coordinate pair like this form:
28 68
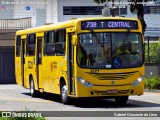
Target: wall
62 3
7 69
6 10
152 69
152 20
52 11
29 8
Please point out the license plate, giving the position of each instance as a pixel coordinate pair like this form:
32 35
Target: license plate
111 91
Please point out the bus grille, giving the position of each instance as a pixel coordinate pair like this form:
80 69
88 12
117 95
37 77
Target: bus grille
112 76
118 92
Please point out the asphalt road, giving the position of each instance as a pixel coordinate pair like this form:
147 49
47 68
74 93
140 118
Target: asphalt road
16 98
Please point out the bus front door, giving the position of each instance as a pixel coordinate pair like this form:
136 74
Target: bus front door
39 62
23 62
70 66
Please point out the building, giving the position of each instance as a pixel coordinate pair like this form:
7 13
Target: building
8 27
52 11
16 15
62 10
21 14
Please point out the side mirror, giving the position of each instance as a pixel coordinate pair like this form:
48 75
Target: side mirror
74 40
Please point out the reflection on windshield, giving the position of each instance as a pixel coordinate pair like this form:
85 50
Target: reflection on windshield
109 50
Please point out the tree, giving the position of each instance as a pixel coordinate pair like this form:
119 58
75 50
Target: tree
136 4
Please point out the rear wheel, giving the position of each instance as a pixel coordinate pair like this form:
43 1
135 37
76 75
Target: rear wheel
33 92
64 93
121 99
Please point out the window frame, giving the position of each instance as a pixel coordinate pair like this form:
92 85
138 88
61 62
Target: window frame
61 43
18 46
30 44
47 42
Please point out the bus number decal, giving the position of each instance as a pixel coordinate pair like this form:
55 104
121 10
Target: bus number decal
53 65
94 70
30 64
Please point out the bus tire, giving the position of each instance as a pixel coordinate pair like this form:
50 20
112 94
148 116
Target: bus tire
121 100
33 92
64 93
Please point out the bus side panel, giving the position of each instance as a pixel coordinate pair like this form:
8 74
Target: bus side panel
53 69
61 73
30 71
49 72
18 71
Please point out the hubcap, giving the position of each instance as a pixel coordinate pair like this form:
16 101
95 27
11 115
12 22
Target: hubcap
64 92
32 87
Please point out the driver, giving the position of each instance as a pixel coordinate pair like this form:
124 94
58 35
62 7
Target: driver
121 57
123 49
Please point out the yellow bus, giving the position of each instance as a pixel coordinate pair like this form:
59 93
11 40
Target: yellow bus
83 57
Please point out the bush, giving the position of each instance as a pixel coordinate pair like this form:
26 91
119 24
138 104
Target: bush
152 82
154 52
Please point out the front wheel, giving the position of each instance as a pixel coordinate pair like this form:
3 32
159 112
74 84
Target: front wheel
64 94
121 99
33 92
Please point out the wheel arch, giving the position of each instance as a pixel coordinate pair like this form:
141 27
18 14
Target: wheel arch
64 91
61 81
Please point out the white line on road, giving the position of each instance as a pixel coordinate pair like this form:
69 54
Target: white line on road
7 88
23 99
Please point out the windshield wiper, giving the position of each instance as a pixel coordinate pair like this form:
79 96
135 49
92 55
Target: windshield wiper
97 39
128 32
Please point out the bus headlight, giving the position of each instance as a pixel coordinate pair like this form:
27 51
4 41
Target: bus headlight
84 82
136 82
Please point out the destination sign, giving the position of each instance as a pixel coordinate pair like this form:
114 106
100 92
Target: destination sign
109 24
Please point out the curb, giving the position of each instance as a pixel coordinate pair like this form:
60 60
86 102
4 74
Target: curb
156 91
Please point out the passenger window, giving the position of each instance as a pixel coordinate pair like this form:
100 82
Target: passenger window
60 42
49 43
31 40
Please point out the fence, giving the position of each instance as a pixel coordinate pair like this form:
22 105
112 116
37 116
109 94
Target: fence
21 23
152 49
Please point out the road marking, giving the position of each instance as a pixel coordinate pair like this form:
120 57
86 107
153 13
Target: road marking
7 88
23 99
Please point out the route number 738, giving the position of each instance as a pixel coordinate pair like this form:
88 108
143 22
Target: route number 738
91 24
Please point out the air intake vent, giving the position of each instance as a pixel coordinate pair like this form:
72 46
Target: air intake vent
113 76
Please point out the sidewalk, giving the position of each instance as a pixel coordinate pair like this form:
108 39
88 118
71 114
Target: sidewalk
156 91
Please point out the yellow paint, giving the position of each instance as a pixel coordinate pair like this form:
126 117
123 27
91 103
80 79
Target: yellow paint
30 64
55 67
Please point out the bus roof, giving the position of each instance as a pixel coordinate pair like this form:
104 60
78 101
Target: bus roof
65 24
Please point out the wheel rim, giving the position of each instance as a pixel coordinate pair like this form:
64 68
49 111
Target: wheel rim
64 92
32 87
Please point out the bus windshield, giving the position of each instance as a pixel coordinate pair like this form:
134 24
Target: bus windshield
110 50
